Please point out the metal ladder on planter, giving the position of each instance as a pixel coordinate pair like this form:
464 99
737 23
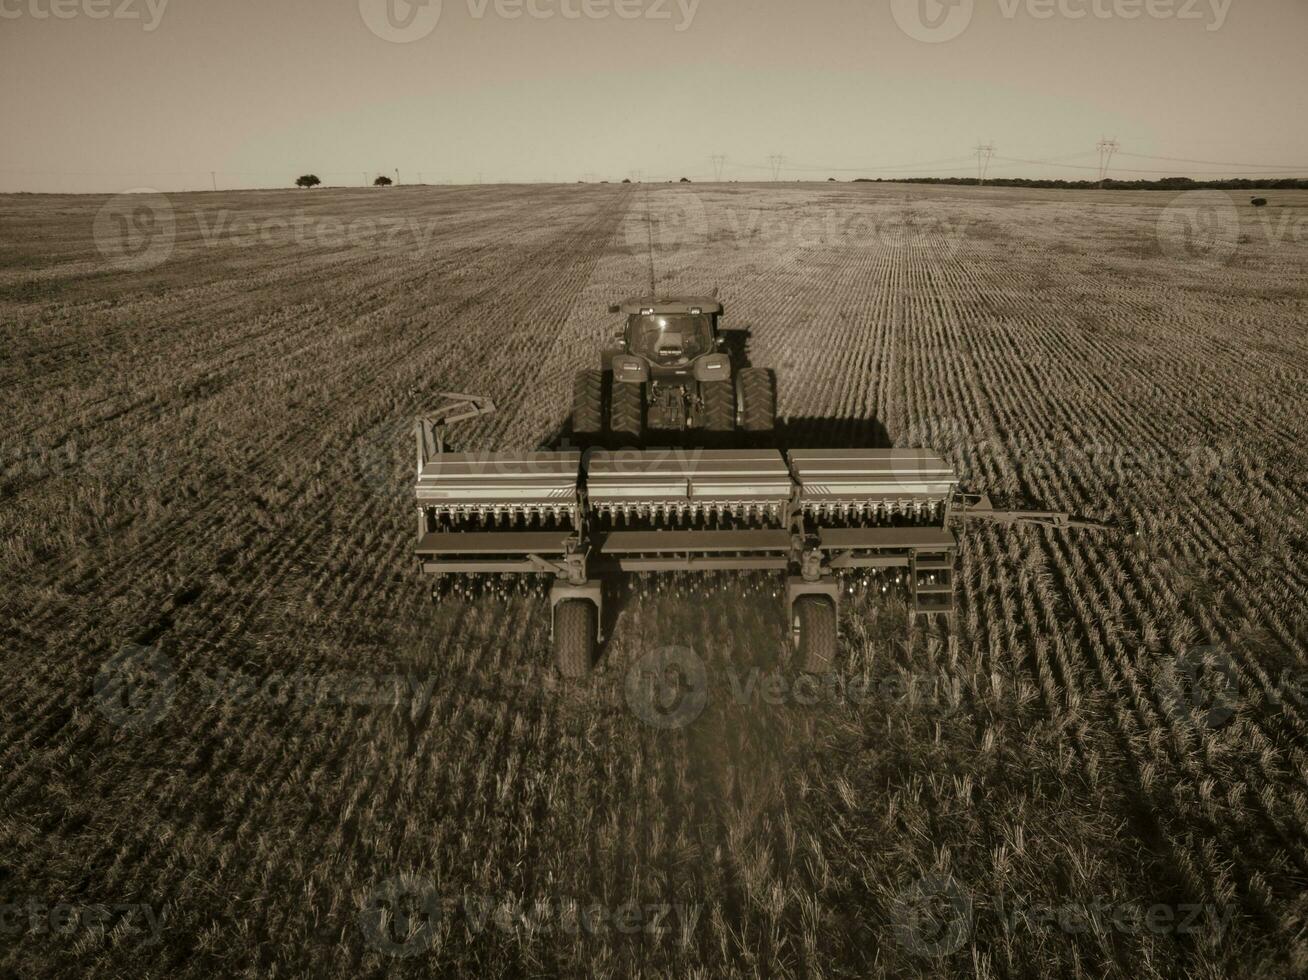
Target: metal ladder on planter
931 582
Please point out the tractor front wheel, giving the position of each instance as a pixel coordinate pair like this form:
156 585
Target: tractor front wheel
813 629
758 400
588 403
719 405
627 412
574 637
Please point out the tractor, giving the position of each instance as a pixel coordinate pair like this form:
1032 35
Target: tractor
671 370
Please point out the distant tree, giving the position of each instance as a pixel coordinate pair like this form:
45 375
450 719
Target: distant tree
685 180
308 180
382 182
831 180
626 180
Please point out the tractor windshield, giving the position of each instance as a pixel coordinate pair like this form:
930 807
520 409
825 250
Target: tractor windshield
670 339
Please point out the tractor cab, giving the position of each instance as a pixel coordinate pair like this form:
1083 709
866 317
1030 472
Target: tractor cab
670 372
670 333
670 339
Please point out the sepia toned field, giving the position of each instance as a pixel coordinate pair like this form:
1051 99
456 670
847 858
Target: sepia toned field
237 735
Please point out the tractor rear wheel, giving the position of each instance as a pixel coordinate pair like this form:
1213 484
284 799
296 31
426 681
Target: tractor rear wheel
627 412
813 628
719 405
588 403
758 400
574 637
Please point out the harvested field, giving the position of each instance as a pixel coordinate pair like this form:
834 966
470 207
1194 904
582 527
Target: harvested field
205 488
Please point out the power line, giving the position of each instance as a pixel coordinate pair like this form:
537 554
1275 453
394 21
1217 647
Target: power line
806 168
1106 149
1191 173
984 153
1219 163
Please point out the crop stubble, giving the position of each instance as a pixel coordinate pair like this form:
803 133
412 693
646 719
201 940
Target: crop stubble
211 459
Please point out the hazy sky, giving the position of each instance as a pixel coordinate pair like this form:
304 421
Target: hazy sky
116 94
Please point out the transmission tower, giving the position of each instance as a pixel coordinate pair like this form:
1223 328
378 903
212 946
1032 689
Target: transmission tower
1106 148
984 151
719 161
775 161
